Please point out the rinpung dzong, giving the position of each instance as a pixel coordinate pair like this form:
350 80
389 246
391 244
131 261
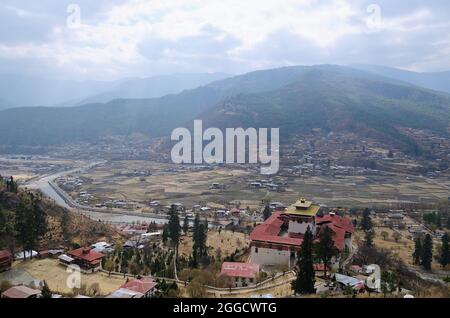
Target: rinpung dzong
279 238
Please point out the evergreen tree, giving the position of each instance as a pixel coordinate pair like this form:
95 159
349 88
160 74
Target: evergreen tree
200 235
185 225
439 221
366 222
368 238
46 292
417 255
174 226
444 259
165 234
325 249
304 283
22 227
427 252
7 232
266 212
448 222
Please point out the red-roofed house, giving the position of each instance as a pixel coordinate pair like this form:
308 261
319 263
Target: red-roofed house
89 260
279 238
145 286
243 274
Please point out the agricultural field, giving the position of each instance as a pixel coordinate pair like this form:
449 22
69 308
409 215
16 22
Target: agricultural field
142 181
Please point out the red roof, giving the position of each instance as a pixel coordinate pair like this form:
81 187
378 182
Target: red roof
235 269
338 221
338 237
87 255
269 231
142 286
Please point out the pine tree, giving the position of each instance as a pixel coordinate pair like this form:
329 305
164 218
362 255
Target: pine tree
366 222
185 225
439 221
174 226
444 259
304 283
266 212
46 292
325 249
165 234
22 227
199 236
427 252
417 255
368 238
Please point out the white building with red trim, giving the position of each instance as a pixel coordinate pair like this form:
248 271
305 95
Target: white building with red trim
279 238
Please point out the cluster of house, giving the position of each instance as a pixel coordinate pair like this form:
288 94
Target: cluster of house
267 184
136 288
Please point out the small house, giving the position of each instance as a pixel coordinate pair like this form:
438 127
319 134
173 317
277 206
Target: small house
21 292
89 260
243 274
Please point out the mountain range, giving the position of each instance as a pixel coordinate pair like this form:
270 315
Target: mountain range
22 91
295 99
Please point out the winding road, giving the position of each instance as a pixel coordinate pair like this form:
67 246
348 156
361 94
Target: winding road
51 190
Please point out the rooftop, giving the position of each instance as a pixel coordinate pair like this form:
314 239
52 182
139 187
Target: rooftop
235 269
86 254
140 285
270 231
20 292
303 207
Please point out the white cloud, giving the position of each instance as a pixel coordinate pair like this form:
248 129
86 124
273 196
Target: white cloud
113 38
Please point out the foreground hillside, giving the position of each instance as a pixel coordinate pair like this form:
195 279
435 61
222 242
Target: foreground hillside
63 228
294 99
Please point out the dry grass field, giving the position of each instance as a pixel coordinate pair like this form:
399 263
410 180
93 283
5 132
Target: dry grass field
226 241
56 276
172 183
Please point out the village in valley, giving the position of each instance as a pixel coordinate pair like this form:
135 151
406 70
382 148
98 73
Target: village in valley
152 230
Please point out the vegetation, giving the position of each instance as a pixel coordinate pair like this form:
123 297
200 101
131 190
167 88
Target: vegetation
427 252
389 282
444 258
368 238
304 283
46 292
418 251
199 250
366 222
266 212
325 249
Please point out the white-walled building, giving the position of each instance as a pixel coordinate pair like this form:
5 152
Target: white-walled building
279 238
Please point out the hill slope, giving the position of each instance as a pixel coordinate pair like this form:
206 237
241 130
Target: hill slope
293 98
439 81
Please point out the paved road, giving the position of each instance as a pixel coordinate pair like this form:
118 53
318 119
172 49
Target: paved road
47 186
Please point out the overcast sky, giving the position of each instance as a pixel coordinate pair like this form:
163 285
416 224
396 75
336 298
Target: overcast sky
123 38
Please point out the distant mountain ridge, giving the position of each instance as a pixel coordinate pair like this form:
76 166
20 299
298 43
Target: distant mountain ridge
294 99
21 91
439 81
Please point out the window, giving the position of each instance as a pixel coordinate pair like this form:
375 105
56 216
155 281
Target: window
256 250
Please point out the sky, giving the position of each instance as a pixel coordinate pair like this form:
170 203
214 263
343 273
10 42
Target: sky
114 39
